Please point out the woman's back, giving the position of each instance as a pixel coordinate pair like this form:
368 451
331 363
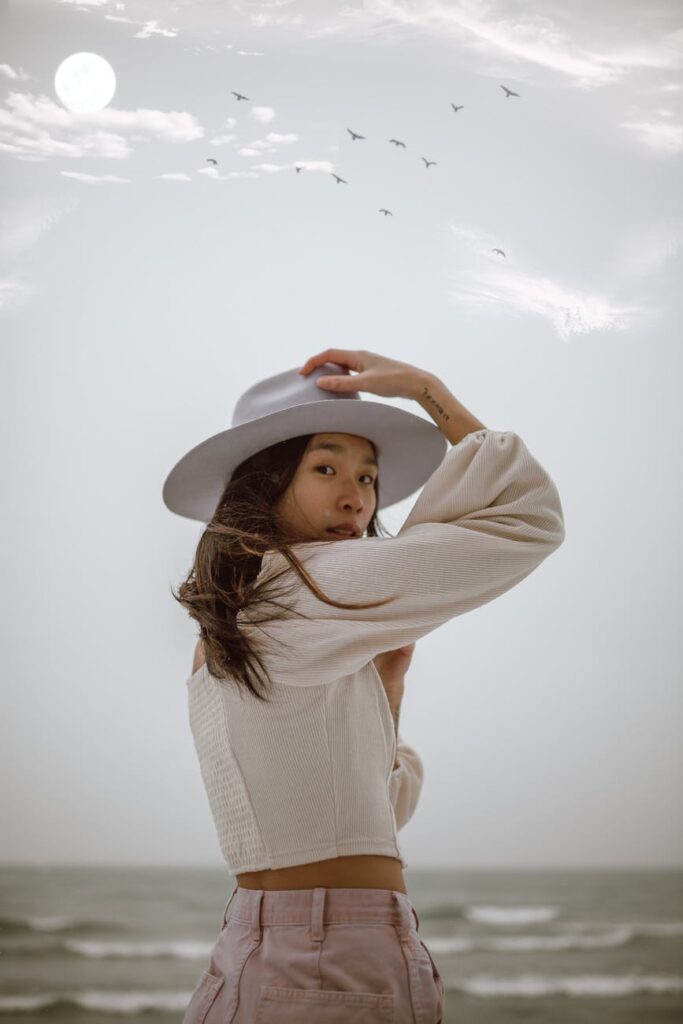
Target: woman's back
307 777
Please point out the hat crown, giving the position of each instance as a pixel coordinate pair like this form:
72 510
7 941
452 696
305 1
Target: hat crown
289 405
285 390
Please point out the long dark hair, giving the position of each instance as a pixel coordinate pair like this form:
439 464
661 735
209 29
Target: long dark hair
228 559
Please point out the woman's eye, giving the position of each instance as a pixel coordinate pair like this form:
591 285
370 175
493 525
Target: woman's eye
369 475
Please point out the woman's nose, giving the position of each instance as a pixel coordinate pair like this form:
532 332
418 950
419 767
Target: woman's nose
355 503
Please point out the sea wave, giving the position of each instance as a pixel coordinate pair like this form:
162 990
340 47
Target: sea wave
180 949
528 986
608 986
570 936
19 923
97 1000
492 914
528 943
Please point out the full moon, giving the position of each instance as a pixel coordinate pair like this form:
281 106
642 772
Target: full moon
85 82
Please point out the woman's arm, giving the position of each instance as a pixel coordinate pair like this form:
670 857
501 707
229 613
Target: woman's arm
392 667
405 784
451 417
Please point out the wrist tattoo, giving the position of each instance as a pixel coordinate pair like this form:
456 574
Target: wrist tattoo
433 401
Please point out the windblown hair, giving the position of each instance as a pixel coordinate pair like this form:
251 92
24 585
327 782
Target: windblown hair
227 561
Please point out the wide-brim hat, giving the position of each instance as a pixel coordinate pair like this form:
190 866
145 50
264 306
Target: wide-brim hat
409 448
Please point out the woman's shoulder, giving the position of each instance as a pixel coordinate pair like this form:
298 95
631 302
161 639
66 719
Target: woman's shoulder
199 657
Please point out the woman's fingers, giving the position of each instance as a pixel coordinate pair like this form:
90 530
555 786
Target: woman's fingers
343 356
341 382
374 373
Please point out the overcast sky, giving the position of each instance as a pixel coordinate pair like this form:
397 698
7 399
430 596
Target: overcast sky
142 289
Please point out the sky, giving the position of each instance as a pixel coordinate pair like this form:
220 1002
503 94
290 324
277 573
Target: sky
143 288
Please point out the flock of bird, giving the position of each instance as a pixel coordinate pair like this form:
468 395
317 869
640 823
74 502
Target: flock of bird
395 142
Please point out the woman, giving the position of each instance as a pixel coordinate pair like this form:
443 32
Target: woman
309 782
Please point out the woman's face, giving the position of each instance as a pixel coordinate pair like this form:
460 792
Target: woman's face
334 484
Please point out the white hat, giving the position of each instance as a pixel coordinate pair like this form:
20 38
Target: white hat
409 448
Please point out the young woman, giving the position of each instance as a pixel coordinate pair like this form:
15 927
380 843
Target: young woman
294 703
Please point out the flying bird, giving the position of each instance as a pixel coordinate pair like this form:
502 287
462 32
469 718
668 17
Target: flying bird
338 178
396 142
498 250
210 160
354 135
456 109
427 162
385 212
239 95
509 92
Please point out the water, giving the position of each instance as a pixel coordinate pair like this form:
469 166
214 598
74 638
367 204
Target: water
94 945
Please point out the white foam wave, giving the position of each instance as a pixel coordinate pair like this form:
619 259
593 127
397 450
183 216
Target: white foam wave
179 949
485 986
56 923
530 943
665 929
607 986
97 1000
510 915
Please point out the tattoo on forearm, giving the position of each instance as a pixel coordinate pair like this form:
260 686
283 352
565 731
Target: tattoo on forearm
430 398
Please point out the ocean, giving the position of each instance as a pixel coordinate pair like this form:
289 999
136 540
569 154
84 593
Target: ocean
102 945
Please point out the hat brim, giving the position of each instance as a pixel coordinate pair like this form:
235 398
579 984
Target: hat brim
409 449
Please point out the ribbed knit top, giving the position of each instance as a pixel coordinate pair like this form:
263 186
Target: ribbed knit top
309 775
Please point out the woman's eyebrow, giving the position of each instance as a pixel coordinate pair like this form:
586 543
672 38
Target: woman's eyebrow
340 449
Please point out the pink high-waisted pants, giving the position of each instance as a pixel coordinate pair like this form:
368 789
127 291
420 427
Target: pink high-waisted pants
323 956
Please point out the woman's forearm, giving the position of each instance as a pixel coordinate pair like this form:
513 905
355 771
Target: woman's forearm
395 712
451 417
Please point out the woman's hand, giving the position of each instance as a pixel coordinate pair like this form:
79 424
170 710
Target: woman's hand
392 667
373 373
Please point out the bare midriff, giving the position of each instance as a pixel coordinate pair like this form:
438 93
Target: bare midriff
356 871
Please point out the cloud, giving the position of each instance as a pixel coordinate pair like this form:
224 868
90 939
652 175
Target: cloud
647 248
23 223
269 144
262 114
152 28
526 38
9 72
38 128
661 136
568 310
95 179
484 279
222 140
14 292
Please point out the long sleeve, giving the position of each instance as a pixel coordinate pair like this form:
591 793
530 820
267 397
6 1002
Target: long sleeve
486 518
405 783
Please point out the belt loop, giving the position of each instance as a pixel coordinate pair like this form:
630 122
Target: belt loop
404 914
256 913
225 912
317 912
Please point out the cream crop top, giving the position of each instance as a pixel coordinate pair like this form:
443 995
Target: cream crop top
309 775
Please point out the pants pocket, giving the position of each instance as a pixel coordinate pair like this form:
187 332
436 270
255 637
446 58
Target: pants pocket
438 980
426 986
323 1006
203 998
